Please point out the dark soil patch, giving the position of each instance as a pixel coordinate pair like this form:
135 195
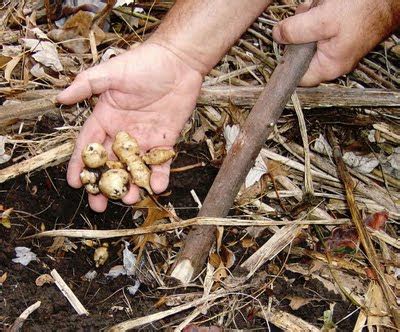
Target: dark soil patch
52 203
45 201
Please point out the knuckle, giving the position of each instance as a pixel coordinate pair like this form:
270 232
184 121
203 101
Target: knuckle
286 32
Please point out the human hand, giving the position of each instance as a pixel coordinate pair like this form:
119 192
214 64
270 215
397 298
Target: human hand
148 92
345 30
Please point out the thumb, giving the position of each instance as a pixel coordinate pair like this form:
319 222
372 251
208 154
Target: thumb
306 27
91 81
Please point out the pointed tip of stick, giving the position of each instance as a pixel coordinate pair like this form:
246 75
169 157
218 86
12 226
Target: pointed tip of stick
183 271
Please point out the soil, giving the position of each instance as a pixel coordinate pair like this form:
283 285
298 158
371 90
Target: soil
45 201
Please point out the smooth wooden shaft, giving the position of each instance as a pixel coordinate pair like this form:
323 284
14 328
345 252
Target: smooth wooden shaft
244 151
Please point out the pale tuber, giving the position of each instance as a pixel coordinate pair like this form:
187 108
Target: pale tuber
158 156
114 164
127 150
94 155
114 180
90 179
92 188
114 183
101 255
89 176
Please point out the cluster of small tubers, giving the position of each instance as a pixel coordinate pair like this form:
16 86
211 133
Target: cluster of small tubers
112 178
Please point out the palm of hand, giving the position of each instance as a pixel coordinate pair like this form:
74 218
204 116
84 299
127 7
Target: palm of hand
148 92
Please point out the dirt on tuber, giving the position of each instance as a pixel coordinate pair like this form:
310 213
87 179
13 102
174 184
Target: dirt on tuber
114 183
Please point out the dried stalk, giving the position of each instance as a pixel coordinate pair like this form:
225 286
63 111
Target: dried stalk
321 97
68 293
136 322
106 234
223 96
49 158
368 188
308 185
363 235
19 322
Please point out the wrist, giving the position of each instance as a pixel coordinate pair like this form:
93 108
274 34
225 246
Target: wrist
393 7
184 52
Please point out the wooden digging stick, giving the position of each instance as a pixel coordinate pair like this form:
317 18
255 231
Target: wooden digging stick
258 126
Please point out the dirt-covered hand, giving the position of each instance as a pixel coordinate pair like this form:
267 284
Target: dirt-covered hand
148 92
345 30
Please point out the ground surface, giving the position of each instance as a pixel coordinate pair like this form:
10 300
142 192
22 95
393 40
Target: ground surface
47 200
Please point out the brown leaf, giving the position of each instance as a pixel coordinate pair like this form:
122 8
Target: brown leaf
10 67
247 243
215 260
154 215
220 273
377 220
4 60
275 168
227 256
5 218
44 279
3 278
57 244
296 302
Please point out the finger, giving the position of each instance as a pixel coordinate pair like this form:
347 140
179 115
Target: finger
303 7
91 81
132 196
160 177
98 203
108 146
91 132
310 26
323 68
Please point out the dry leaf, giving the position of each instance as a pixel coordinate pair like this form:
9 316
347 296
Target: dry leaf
44 52
10 67
377 220
129 260
90 275
155 215
230 134
58 243
363 164
296 302
247 243
227 256
215 260
44 279
3 278
256 172
24 256
220 273
5 218
121 3
4 60
220 234
134 288
116 271
322 146
4 157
